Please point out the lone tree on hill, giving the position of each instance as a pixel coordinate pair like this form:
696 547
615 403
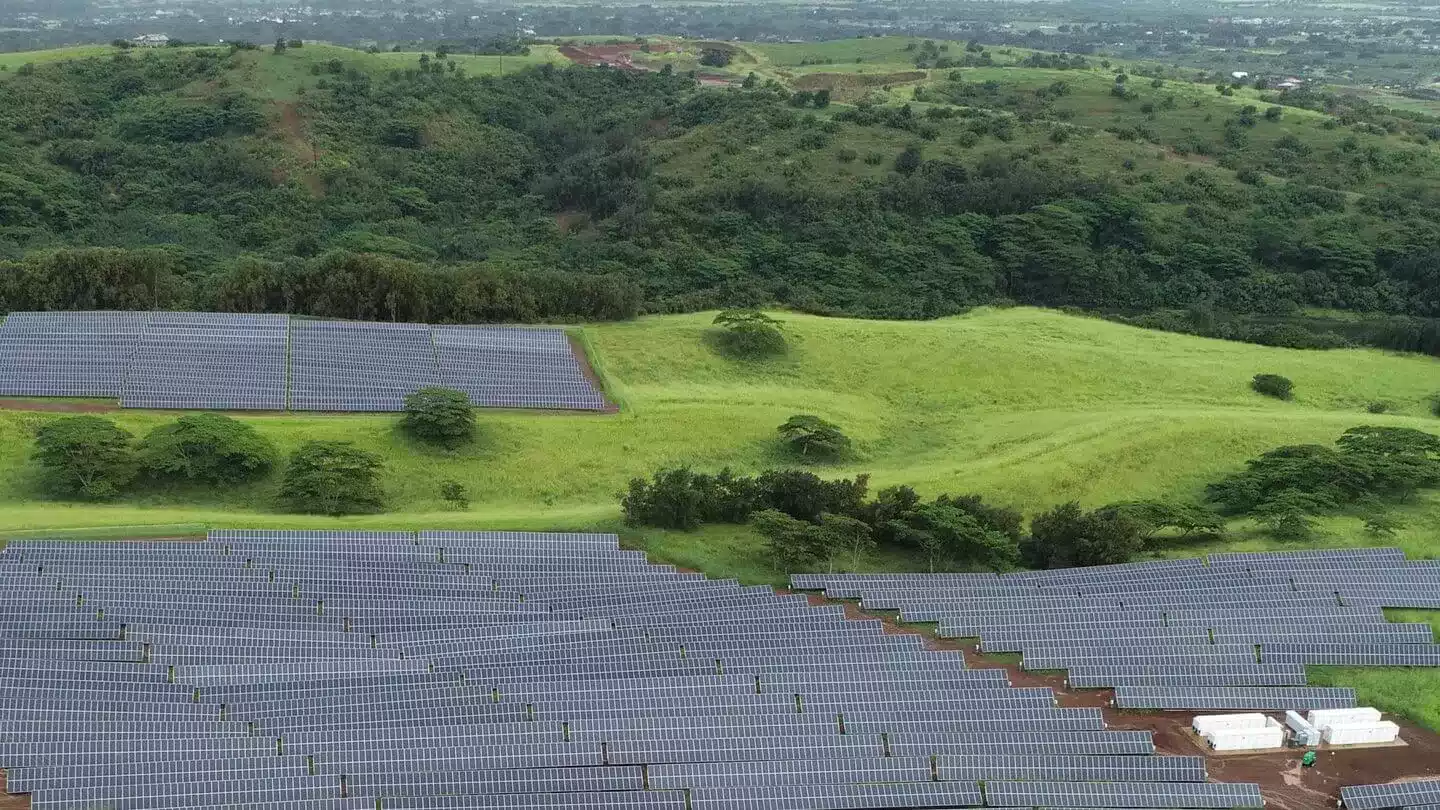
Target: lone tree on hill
812 437
749 334
715 57
332 478
206 447
1273 385
85 457
440 416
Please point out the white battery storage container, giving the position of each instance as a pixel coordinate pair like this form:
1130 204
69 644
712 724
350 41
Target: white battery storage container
1362 733
1320 718
1204 724
1242 739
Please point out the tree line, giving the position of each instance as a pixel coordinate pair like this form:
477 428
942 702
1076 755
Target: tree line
90 458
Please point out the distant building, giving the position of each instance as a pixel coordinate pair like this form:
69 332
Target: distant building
1239 74
150 41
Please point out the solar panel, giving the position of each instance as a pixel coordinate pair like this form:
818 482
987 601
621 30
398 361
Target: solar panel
1257 698
511 367
351 366
208 361
1396 794
1102 794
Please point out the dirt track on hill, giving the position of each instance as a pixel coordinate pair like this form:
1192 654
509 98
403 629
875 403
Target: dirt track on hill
1285 784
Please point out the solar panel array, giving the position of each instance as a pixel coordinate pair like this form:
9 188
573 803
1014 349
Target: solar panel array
512 670
1233 632
189 360
208 361
68 354
1423 793
514 368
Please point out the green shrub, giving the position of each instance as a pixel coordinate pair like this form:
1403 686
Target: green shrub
332 478
208 448
1273 385
84 457
1379 406
440 416
454 493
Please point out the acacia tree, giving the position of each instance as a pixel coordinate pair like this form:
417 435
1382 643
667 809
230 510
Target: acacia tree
332 478
749 334
206 447
84 456
812 437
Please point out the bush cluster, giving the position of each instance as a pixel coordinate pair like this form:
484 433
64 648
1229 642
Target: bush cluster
1285 487
93 459
809 522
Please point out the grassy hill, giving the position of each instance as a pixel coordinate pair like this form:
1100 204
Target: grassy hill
1028 407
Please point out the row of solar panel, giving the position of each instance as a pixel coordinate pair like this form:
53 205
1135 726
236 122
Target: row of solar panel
271 362
571 694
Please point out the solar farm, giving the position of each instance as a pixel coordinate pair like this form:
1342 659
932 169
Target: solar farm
1232 632
309 669
209 361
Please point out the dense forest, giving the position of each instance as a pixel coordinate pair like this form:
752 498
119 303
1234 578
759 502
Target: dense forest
167 179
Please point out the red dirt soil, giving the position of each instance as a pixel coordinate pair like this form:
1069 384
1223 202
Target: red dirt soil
600 55
54 406
1285 784
8 802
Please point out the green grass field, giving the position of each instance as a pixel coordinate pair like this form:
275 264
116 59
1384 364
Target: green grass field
1028 407
10 62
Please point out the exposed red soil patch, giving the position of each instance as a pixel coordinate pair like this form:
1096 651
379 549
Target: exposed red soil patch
56 406
618 56
589 372
8 802
292 131
1285 784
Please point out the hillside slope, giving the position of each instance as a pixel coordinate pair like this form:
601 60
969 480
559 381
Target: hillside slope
901 191
1028 407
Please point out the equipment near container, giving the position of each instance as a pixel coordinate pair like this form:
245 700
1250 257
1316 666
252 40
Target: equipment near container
1301 732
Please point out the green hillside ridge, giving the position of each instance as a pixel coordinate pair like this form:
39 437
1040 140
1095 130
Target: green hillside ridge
962 187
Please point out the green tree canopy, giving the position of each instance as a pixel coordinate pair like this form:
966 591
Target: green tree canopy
440 416
84 457
332 478
749 334
810 436
206 447
1068 536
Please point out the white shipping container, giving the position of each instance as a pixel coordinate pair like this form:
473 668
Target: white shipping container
1362 733
1206 723
1243 739
1320 718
